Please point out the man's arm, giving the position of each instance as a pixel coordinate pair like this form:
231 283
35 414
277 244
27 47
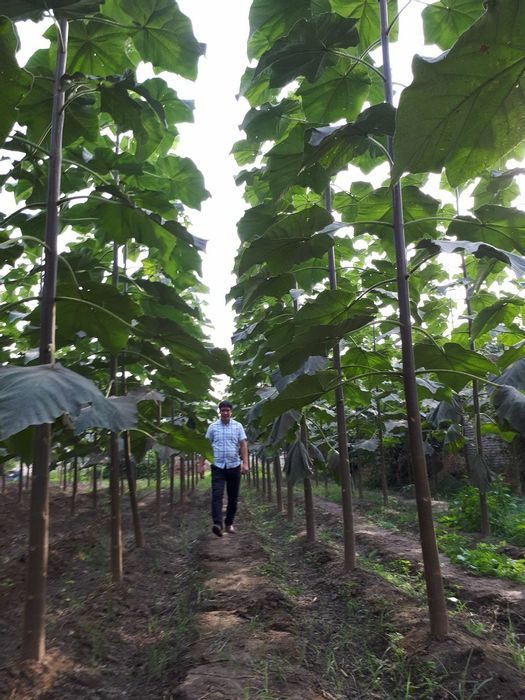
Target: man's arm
244 456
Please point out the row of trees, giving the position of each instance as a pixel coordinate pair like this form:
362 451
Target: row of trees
347 313
100 297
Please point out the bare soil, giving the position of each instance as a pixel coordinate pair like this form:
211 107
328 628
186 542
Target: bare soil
260 614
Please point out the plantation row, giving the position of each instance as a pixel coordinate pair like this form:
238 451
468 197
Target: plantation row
355 324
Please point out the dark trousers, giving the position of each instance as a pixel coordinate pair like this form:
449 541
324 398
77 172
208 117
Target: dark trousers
232 479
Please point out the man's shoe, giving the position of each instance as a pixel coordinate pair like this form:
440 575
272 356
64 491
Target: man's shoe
230 529
217 530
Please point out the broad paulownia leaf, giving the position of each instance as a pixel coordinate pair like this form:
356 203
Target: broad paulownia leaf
509 404
282 426
335 147
501 227
298 464
445 20
125 407
370 445
36 395
503 311
339 93
271 19
479 250
15 81
299 393
464 110
455 359
35 9
161 33
514 375
366 13
306 50
292 239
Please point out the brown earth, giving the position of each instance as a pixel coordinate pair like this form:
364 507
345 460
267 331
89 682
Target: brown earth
260 614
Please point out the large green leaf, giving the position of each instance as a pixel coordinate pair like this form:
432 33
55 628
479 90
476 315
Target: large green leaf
161 33
503 311
298 464
339 93
271 121
318 326
96 48
301 392
464 111
306 50
35 9
454 358
99 312
509 404
178 177
479 250
497 226
514 375
260 286
446 20
36 395
335 147
366 12
290 240
15 81
284 161
271 19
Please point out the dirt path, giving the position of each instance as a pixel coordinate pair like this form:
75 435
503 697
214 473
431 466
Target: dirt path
259 615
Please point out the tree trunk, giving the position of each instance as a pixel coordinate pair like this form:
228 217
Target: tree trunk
115 513
33 634
269 481
263 478
182 479
157 492
256 473
309 512
290 502
94 489
434 581
172 483
2 477
74 488
64 475
278 483
20 481
132 489
193 466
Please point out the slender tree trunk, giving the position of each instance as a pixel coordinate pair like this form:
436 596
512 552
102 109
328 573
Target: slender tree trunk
2 477
132 489
172 483
20 481
309 512
33 634
382 460
263 478
434 581
290 502
342 439
74 487
256 473
269 481
64 475
278 482
157 492
182 478
28 477
193 466
483 507
115 512
94 489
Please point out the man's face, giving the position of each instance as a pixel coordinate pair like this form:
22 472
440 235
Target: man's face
226 414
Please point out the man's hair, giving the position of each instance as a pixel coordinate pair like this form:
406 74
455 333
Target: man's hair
225 404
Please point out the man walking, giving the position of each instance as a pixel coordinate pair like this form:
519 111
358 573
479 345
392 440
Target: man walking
230 446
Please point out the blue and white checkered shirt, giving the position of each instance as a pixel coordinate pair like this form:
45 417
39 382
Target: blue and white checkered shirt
225 440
